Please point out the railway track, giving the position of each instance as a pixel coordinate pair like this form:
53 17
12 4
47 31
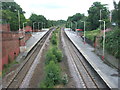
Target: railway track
86 74
20 75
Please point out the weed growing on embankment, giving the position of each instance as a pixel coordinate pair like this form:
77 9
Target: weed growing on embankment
52 69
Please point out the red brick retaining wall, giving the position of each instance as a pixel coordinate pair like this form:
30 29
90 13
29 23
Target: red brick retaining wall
5 27
10 43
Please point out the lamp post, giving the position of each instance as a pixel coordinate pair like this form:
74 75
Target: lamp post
24 33
44 25
19 19
103 56
76 27
100 19
75 24
71 26
23 26
84 30
38 25
33 25
111 15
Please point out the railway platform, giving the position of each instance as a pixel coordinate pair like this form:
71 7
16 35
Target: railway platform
36 36
107 73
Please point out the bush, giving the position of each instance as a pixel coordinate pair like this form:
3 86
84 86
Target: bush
112 42
50 56
91 34
52 74
54 40
57 53
59 56
52 70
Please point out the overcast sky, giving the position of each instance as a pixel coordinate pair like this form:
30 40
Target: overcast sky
59 9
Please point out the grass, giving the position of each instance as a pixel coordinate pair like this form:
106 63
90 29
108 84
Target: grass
91 34
7 67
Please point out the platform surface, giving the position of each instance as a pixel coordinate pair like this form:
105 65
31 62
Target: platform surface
31 42
106 72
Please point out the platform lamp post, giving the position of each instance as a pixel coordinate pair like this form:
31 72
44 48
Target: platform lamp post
75 26
38 25
24 33
71 25
111 15
84 30
111 12
33 25
103 56
100 18
44 25
41 25
19 19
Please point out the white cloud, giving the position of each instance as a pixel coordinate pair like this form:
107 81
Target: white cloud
58 9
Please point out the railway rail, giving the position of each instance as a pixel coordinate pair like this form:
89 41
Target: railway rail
20 75
86 74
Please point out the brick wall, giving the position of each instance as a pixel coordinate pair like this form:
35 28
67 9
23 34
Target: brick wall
10 43
5 27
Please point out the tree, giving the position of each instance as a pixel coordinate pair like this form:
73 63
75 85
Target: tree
10 15
12 6
116 13
75 19
38 18
94 15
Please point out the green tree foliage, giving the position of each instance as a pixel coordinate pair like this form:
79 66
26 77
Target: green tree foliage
72 20
75 17
38 18
113 42
57 53
43 22
60 22
54 38
10 15
53 54
50 23
50 56
94 15
116 13
52 73
12 6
